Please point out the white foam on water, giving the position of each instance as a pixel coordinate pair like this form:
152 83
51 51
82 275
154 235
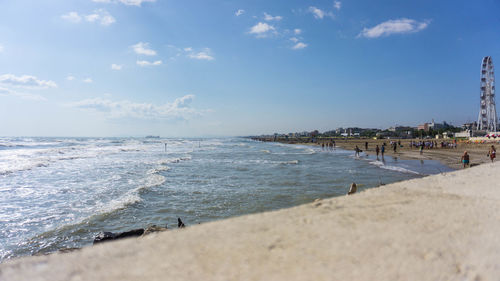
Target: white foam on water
174 160
265 151
151 181
290 162
120 203
158 169
381 165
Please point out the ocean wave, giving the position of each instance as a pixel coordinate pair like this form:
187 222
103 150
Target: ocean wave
307 151
120 203
158 169
291 162
103 210
174 160
393 168
265 151
17 166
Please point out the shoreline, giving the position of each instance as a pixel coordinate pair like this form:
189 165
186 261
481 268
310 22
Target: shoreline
449 157
362 186
438 227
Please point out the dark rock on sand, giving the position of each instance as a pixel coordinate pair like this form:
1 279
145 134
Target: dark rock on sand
108 236
180 224
153 228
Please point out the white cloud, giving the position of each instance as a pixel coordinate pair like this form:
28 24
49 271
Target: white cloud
137 3
143 49
116 66
297 31
24 96
73 17
294 39
102 16
320 14
204 55
88 80
1 48
261 29
398 26
178 109
299 46
268 17
239 12
148 63
337 5
70 78
26 81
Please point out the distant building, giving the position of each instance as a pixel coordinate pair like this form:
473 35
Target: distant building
437 126
464 134
424 127
469 126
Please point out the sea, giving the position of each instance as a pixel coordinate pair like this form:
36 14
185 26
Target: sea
58 193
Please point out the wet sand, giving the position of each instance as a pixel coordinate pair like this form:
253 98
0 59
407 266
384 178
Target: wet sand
441 227
450 157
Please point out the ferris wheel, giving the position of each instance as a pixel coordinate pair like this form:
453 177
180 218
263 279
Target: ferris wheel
487 119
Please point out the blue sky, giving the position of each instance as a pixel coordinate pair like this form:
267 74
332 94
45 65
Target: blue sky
225 68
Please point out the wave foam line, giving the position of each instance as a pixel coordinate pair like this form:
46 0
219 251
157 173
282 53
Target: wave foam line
393 168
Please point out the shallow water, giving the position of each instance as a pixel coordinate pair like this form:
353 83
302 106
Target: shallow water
60 192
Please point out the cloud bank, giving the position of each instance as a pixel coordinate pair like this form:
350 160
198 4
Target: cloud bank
26 81
178 109
390 27
100 16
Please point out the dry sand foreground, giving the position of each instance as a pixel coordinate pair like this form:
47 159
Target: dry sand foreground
443 227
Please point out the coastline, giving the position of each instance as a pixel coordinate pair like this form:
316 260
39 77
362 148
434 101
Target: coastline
450 157
433 228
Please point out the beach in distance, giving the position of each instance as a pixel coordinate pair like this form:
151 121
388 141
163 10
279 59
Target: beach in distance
443 150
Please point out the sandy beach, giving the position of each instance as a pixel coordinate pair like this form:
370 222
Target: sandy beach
450 157
442 227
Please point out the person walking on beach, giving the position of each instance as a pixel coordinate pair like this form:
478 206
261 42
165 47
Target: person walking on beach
395 147
366 145
383 150
465 159
377 150
492 153
421 148
357 150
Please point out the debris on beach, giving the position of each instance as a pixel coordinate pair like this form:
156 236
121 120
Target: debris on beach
353 189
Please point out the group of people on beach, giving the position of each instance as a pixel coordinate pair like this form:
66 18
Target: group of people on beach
329 145
433 144
492 154
465 159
